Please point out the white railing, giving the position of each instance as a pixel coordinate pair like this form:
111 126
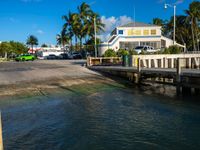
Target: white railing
166 61
91 61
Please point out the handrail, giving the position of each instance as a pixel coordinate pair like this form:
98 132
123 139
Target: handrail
167 61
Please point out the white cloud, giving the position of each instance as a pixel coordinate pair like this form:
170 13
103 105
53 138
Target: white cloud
111 23
39 31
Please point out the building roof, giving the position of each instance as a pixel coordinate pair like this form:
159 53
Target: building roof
139 24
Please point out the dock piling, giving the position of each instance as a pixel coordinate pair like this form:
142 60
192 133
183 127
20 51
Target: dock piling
1 134
178 76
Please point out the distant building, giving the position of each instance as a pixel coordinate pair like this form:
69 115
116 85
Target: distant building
135 34
46 51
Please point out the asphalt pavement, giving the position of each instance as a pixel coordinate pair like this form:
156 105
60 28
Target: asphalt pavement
42 70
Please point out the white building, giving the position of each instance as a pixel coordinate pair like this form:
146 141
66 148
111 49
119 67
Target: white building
135 34
43 52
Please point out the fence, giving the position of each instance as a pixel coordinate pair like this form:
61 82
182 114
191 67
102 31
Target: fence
94 61
166 61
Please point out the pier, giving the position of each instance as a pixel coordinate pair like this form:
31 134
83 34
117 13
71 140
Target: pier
180 70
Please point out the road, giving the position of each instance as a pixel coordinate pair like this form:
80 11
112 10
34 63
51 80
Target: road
39 70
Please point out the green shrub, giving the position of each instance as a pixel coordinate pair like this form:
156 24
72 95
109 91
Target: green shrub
122 52
133 52
172 50
110 53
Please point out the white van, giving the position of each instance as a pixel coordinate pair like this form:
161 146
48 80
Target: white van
145 48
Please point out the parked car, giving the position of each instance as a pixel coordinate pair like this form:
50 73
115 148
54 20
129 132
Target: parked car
25 57
145 48
63 56
76 55
52 56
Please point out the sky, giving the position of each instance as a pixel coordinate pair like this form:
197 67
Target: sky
43 18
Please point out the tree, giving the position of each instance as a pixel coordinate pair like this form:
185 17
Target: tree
193 16
90 43
63 38
44 45
68 26
32 40
158 21
18 48
5 48
162 23
183 34
81 25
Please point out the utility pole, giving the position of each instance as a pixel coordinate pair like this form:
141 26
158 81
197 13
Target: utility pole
174 34
95 37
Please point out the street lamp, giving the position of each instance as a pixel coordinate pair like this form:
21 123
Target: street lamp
166 6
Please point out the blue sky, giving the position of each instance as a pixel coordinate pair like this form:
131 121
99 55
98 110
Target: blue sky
42 18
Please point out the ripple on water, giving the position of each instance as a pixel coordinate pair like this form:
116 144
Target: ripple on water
115 119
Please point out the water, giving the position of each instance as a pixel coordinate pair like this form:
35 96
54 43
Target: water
112 118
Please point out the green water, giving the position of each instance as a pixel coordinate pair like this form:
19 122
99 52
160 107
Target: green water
100 117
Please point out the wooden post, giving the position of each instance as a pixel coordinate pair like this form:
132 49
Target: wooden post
137 78
188 63
172 62
1 134
162 63
111 60
89 61
100 61
149 63
139 65
178 76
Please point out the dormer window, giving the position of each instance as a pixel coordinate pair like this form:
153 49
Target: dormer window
121 32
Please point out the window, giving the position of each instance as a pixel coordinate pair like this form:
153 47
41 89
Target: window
134 32
137 32
153 32
146 32
155 44
128 45
130 32
121 32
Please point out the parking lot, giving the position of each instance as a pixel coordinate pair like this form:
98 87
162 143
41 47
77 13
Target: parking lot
41 70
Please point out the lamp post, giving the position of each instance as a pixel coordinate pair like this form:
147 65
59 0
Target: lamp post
95 37
166 6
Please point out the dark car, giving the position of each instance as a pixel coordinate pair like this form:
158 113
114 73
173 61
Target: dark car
76 55
52 56
63 56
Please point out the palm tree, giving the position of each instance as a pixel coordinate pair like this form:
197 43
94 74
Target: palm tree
32 40
183 31
158 21
81 25
90 24
162 23
193 17
63 38
68 26
85 13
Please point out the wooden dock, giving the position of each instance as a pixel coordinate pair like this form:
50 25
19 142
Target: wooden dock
183 72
